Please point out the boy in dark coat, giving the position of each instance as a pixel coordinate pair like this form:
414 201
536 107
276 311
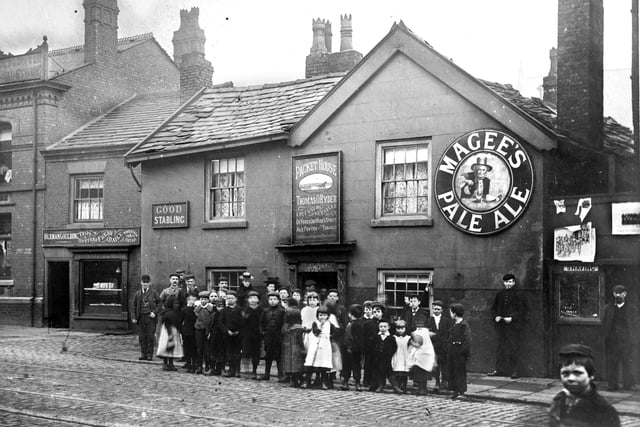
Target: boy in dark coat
579 403
383 349
370 331
439 325
415 316
146 305
230 323
215 341
203 316
459 351
353 344
271 322
189 334
250 331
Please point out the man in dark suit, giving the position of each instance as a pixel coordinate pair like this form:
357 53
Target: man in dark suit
508 312
146 303
439 331
415 316
620 319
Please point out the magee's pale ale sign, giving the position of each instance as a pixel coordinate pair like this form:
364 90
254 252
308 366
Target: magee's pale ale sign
484 182
316 198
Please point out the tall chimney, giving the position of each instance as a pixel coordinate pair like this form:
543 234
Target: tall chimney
100 30
346 33
317 62
188 53
580 70
550 82
319 43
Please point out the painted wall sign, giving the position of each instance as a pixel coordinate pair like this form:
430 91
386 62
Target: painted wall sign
170 215
484 182
92 237
625 218
22 67
316 198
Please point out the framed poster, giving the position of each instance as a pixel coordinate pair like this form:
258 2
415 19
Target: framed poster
575 243
316 198
625 218
580 294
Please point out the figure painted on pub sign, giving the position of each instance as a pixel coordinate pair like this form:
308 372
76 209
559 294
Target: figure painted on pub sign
475 188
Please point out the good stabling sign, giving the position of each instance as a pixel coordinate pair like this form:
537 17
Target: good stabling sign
484 182
170 215
316 198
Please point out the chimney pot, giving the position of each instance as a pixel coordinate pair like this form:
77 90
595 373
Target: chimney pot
346 33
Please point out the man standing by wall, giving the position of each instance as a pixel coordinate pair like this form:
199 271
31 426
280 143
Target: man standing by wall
509 312
145 304
620 319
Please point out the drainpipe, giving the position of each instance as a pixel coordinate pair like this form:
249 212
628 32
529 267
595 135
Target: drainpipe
635 85
34 224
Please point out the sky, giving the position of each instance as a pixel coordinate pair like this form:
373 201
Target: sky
253 42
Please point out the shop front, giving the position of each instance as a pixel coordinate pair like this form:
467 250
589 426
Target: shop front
88 276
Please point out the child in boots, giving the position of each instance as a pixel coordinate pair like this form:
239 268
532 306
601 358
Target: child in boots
215 341
319 355
400 360
250 332
354 343
230 322
370 331
383 348
189 333
271 322
170 341
458 352
203 316
293 352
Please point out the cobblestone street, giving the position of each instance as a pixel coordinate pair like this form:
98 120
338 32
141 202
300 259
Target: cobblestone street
91 384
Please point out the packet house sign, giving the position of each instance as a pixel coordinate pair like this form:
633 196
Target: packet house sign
170 215
316 198
92 237
484 182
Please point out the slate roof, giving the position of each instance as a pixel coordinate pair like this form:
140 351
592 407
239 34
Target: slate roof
617 138
70 58
125 125
236 114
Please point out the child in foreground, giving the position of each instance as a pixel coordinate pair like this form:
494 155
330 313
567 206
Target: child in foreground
458 352
579 403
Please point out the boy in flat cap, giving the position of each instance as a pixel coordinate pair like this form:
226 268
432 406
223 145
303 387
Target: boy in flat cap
458 352
250 332
271 322
439 325
230 324
203 313
620 338
579 403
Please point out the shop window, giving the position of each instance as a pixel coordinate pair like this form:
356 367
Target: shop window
231 274
403 184
580 294
101 282
394 285
226 189
5 242
88 199
6 158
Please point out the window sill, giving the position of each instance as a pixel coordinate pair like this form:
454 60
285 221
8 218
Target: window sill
7 203
84 225
402 222
226 224
6 283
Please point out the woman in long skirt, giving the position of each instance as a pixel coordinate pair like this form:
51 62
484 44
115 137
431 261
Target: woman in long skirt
170 341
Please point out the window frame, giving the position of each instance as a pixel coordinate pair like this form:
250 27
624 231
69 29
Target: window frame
74 186
5 197
397 219
6 238
211 271
209 171
381 291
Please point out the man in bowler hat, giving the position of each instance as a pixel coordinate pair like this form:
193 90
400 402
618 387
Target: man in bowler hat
620 337
508 312
146 303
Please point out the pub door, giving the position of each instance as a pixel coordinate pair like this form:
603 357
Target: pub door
324 281
58 294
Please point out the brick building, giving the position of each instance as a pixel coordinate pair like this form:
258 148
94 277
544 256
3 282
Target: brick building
45 95
359 182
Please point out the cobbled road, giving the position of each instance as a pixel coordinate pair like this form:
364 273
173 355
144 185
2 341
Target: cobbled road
40 385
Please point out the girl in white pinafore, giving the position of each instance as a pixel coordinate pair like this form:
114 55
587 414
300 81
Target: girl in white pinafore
319 355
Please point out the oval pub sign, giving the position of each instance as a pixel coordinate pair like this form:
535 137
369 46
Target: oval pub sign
484 182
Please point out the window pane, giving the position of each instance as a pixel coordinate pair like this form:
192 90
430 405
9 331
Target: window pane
228 182
388 157
387 173
411 154
412 205
422 205
223 166
216 166
240 179
399 156
399 172
401 189
423 154
421 170
423 188
240 165
388 206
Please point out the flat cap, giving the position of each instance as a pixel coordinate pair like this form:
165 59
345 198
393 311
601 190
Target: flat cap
203 294
576 350
619 289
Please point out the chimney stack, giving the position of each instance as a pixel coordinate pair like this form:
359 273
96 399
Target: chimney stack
580 70
550 82
100 30
321 60
346 33
188 53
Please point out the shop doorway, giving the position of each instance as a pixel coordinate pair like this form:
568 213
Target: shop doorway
324 281
58 294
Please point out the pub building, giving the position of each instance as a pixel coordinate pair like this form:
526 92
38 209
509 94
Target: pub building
91 237
46 94
406 174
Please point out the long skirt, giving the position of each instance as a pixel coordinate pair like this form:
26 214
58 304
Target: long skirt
170 343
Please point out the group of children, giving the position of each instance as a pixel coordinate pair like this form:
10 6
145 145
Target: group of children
311 342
